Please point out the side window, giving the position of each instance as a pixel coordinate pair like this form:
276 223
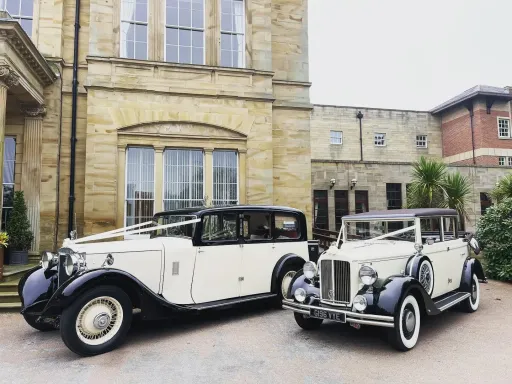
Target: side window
286 227
219 227
256 226
450 228
430 229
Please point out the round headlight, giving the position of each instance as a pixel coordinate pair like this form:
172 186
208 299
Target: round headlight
300 295
368 275
360 303
70 264
310 270
48 260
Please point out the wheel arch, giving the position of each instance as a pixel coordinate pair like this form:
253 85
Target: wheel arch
290 259
471 266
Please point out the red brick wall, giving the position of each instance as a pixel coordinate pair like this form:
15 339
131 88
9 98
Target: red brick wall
491 161
456 133
486 130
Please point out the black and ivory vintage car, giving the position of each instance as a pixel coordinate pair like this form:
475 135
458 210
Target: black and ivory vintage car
390 269
193 259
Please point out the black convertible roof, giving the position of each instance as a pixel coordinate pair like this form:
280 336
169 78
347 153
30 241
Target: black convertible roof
198 211
402 213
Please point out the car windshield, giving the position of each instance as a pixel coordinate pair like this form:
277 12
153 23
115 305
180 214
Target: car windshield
367 230
186 230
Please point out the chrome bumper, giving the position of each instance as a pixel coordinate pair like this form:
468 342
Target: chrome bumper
352 317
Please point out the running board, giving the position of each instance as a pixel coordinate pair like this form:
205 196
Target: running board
229 302
450 301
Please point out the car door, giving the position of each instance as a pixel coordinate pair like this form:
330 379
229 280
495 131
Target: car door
258 258
456 253
218 259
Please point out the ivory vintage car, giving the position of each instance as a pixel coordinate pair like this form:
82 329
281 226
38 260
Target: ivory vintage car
194 260
391 269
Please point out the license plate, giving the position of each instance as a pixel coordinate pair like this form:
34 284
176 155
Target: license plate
327 315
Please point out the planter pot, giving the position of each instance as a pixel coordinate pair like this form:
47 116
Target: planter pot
18 257
1 263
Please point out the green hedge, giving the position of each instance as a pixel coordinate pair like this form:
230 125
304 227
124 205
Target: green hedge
494 234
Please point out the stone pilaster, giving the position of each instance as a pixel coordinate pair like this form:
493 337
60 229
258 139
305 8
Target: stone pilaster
159 176
31 166
208 175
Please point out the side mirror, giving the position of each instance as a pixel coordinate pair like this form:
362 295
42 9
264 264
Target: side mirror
473 243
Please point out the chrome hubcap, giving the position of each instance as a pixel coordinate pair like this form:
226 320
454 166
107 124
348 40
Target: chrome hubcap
101 321
410 321
474 293
287 279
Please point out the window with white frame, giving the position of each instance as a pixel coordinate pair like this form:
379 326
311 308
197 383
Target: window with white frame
504 128
20 10
336 137
225 177
184 31
134 29
509 161
183 178
140 185
232 43
421 141
501 160
380 139
8 178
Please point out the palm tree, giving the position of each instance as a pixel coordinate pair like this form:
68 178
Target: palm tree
433 187
503 188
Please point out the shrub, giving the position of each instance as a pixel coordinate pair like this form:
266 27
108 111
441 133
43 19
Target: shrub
18 226
494 234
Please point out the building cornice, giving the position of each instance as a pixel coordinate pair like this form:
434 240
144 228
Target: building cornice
15 36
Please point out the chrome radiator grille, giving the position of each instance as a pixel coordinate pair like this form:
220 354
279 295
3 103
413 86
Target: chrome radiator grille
335 281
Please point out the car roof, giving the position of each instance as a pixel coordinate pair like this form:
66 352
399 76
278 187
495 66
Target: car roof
199 211
402 213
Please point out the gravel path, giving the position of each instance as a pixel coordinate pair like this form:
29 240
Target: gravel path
261 345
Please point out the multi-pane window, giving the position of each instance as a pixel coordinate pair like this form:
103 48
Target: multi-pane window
509 159
184 31
140 185
183 179
8 178
504 128
336 137
340 207
380 139
225 178
394 195
485 202
134 29
421 141
20 10
321 211
501 160
232 43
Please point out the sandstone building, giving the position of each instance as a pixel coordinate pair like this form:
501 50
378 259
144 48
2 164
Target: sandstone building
145 105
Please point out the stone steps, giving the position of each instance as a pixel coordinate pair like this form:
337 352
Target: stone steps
9 299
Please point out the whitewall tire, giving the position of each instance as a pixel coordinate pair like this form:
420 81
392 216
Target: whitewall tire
426 276
472 303
97 322
407 325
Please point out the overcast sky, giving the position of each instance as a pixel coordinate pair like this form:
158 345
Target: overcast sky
406 54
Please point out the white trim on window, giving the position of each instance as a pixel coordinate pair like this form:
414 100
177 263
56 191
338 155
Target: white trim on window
379 139
224 197
336 137
133 22
421 141
233 32
503 124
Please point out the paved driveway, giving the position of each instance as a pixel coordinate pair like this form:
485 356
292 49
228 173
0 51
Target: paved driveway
261 345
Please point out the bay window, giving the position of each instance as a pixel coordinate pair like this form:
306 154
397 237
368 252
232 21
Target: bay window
232 26
225 177
134 29
140 185
183 178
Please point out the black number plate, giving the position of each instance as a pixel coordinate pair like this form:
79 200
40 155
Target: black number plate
328 315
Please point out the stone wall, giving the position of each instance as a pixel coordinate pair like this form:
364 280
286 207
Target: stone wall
373 176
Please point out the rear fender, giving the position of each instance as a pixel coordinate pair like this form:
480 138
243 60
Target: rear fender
471 266
288 260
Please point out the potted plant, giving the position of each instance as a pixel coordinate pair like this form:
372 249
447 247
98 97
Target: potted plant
18 229
4 238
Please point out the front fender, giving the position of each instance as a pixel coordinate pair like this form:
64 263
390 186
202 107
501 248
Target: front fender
386 298
471 266
36 288
289 259
300 281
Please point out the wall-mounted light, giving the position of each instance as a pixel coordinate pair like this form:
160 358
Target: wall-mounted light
353 182
333 181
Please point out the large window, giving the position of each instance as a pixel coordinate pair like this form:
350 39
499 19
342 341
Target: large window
321 211
232 33
140 185
394 195
20 10
503 128
225 177
340 207
8 178
184 31
134 29
183 178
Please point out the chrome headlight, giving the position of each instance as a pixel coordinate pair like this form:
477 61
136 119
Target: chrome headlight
300 295
368 275
310 270
359 303
49 260
75 262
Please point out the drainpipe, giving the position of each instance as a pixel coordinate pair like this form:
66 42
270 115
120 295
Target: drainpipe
360 117
73 119
471 115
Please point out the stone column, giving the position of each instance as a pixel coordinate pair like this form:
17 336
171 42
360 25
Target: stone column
121 169
241 178
159 179
208 175
31 166
212 29
8 78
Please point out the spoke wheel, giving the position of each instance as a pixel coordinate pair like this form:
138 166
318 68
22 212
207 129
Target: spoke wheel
426 276
99 320
285 282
